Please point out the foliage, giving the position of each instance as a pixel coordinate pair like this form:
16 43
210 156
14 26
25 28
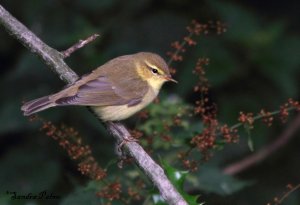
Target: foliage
178 178
253 68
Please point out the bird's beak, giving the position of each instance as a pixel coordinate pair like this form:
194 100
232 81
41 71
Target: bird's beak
169 78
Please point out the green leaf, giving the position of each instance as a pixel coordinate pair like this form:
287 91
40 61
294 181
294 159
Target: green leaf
249 140
175 175
177 178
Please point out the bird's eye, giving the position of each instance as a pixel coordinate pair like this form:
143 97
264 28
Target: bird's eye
155 71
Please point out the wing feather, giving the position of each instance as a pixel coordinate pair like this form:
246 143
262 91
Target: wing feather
116 87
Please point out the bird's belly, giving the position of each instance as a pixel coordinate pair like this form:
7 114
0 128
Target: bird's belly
121 112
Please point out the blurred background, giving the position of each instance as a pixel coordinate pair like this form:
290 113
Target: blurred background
254 65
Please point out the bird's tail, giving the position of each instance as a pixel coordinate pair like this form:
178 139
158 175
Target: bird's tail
37 105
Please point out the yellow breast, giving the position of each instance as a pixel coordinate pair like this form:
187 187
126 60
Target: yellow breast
121 112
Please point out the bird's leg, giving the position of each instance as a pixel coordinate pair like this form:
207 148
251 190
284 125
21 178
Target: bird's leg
126 139
122 154
116 127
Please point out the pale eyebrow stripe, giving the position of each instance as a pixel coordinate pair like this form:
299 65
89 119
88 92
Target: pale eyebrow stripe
153 66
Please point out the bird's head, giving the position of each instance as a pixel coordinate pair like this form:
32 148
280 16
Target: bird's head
153 69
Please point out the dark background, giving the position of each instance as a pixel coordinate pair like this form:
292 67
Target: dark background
254 65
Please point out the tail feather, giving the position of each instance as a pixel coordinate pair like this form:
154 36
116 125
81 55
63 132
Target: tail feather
37 105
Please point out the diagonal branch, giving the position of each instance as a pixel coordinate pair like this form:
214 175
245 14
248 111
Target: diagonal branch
50 56
54 60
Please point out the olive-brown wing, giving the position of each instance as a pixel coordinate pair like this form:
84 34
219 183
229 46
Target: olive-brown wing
106 90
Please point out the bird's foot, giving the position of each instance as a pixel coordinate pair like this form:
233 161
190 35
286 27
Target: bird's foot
123 156
126 139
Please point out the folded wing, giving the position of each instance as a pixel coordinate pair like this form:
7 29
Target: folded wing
102 91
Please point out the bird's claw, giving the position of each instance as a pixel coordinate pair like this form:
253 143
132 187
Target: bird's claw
123 157
126 140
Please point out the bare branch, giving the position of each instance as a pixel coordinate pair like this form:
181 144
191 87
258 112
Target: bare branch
79 45
150 168
54 60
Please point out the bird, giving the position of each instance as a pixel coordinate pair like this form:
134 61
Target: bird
115 90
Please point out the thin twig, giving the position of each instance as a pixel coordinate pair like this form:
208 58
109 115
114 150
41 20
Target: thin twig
182 44
265 152
288 193
260 116
55 60
80 44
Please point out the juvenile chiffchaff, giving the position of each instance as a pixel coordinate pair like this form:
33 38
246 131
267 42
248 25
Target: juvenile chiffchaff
115 91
